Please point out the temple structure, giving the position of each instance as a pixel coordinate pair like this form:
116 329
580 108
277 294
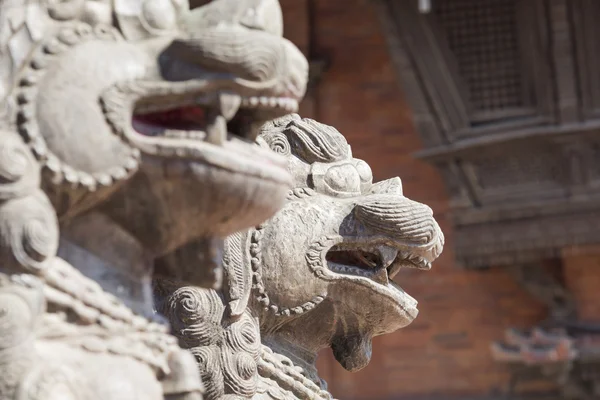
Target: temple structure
486 110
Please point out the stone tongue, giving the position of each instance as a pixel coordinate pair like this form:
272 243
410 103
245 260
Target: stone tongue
352 352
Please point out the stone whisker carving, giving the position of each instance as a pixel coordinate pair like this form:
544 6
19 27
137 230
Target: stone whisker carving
317 274
121 122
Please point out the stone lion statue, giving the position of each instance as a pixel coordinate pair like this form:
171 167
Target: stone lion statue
121 122
318 274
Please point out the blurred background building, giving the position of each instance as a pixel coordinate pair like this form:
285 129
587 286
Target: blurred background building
489 111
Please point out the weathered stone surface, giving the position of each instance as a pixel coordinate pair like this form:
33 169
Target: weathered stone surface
115 152
317 274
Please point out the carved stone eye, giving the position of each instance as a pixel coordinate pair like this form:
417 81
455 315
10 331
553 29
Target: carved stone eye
343 178
159 14
364 171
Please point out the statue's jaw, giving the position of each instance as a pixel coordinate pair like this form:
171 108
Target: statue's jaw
211 122
380 263
364 268
373 264
170 118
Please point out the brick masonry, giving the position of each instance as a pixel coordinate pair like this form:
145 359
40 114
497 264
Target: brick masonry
581 270
445 352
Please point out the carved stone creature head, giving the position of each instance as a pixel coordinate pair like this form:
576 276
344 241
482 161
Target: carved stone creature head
323 272
148 107
317 274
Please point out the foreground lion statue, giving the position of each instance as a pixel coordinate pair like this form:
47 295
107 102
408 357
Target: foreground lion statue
121 122
317 274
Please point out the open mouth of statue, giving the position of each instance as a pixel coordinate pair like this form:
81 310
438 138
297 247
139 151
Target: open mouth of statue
379 263
209 118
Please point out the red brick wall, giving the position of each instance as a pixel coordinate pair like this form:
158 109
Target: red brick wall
581 266
446 350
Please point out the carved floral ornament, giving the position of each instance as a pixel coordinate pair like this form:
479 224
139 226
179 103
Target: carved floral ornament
125 144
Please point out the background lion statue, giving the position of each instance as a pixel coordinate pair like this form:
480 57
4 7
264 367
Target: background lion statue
121 122
317 274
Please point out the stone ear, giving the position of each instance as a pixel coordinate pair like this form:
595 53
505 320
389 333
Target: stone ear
237 274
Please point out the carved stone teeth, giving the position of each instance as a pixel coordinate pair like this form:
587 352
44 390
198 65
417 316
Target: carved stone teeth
39 149
387 255
229 104
289 104
131 164
216 130
393 270
367 261
178 134
196 135
285 103
118 173
70 175
104 179
356 271
380 276
264 101
87 180
53 164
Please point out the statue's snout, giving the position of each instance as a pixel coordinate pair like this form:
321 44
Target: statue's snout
409 223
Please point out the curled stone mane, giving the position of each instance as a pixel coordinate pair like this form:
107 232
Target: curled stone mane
305 138
227 349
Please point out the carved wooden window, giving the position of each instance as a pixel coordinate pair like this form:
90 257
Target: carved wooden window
587 46
483 41
477 59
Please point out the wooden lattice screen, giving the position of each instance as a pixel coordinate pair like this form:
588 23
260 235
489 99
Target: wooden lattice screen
482 37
